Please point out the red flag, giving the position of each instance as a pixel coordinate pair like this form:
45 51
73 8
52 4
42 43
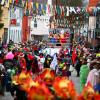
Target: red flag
25 28
74 55
16 1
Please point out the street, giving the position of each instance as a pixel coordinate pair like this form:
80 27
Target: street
49 49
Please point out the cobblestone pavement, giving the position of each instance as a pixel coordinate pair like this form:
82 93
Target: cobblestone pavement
76 82
6 97
73 78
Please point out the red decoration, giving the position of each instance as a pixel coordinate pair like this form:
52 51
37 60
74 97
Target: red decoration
13 21
16 1
93 3
24 28
74 55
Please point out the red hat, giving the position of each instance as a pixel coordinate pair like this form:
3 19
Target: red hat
21 55
26 49
30 57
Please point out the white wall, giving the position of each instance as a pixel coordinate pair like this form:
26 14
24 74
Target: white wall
42 26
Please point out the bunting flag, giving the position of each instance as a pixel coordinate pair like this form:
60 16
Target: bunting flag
58 10
10 1
20 1
13 1
62 11
49 9
31 12
27 12
16 1
26 5
37 4
44 9
39 9
34 7
93 3
2 2
23 3
31 7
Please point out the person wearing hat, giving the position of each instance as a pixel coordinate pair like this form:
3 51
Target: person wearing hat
22 61
41 60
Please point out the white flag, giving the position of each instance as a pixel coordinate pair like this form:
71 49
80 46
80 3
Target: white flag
54 63
2 2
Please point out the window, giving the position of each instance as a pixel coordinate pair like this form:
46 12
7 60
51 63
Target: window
35 23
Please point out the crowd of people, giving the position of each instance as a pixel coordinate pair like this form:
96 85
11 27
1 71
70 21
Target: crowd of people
30 58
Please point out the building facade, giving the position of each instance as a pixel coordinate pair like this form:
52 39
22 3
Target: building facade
94 29
39 24
5 21
97 30
15 24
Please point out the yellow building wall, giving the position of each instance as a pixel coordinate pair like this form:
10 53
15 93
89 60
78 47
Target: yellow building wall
5 20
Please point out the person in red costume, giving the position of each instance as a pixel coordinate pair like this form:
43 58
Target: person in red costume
22 61
74 56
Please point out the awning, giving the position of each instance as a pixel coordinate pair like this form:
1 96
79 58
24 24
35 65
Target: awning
40 31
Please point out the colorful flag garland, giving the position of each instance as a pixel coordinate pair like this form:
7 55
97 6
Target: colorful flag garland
31 8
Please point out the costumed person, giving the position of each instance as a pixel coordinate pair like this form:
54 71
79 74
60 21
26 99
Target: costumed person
65 70
62 40
47 62
58 40
61 66
35 48
74 56
88 93
22 61
93 74
0 43
29 59
10 43
89 58
84 70
41 60
1 58
9 64
2 79
97 86
53 40
17 91
35 67
78 66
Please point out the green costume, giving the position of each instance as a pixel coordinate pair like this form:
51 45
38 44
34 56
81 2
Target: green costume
83 76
